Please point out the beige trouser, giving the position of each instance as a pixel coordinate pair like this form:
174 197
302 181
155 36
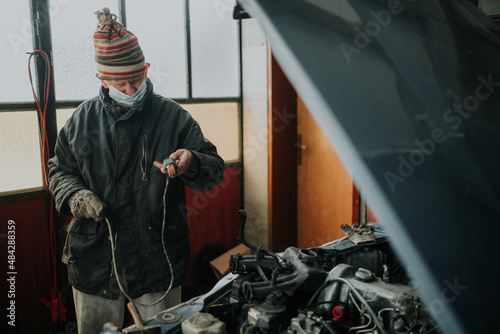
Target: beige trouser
92 312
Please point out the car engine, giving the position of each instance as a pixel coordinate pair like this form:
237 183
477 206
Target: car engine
335 288
302 294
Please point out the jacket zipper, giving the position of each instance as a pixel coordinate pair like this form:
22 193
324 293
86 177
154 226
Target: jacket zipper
144 168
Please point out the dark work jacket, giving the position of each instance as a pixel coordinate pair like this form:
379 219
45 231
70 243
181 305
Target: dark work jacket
112 155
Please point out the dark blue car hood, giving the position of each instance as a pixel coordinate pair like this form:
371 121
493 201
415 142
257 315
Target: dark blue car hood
408 93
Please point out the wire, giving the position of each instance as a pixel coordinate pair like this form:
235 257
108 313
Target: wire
45 152
42 111
317 292
362 327
363 301
355 303
113 248
362 312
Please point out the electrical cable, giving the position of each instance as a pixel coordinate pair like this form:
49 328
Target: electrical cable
113 248
42 112
363 301
361 312
317 292
45 144
355 303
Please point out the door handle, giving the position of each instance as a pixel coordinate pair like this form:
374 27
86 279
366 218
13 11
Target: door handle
299 146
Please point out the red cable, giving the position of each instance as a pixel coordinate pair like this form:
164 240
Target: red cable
42 115
55 295
45 152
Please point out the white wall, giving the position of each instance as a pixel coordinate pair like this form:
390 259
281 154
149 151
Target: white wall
255 134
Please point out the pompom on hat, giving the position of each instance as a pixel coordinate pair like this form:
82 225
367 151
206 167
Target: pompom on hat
118 55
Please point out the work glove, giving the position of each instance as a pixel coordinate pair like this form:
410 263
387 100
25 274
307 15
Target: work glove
359 234
84 204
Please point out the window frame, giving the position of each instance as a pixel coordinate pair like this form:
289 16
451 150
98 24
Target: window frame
42 40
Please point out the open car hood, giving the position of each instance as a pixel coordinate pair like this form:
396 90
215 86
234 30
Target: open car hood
408 93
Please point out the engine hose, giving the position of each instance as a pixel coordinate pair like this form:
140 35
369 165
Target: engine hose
113 247
317 292
262 289
241 233
363 301
289 280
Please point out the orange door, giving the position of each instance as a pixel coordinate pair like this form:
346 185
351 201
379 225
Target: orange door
325 189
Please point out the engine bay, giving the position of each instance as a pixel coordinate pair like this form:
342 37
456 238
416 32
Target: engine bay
319 291
335 288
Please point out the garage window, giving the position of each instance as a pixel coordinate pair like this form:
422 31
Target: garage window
193 47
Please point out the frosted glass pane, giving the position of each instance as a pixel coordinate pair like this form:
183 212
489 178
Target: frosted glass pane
62 116
218 121
214 49
20 166
160 28
73 24
220 124
15 41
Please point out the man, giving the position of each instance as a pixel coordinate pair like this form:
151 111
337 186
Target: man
107 164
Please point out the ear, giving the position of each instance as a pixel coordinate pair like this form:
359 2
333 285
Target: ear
146 73
105 84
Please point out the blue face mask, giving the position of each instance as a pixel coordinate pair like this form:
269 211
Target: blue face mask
124 99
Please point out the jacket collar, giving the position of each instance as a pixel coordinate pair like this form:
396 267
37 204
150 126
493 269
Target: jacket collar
110 106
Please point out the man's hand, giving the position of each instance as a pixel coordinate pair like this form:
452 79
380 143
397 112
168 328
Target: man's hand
84 204
184 160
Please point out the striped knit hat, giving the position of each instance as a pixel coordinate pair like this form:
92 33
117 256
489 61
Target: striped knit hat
118 55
